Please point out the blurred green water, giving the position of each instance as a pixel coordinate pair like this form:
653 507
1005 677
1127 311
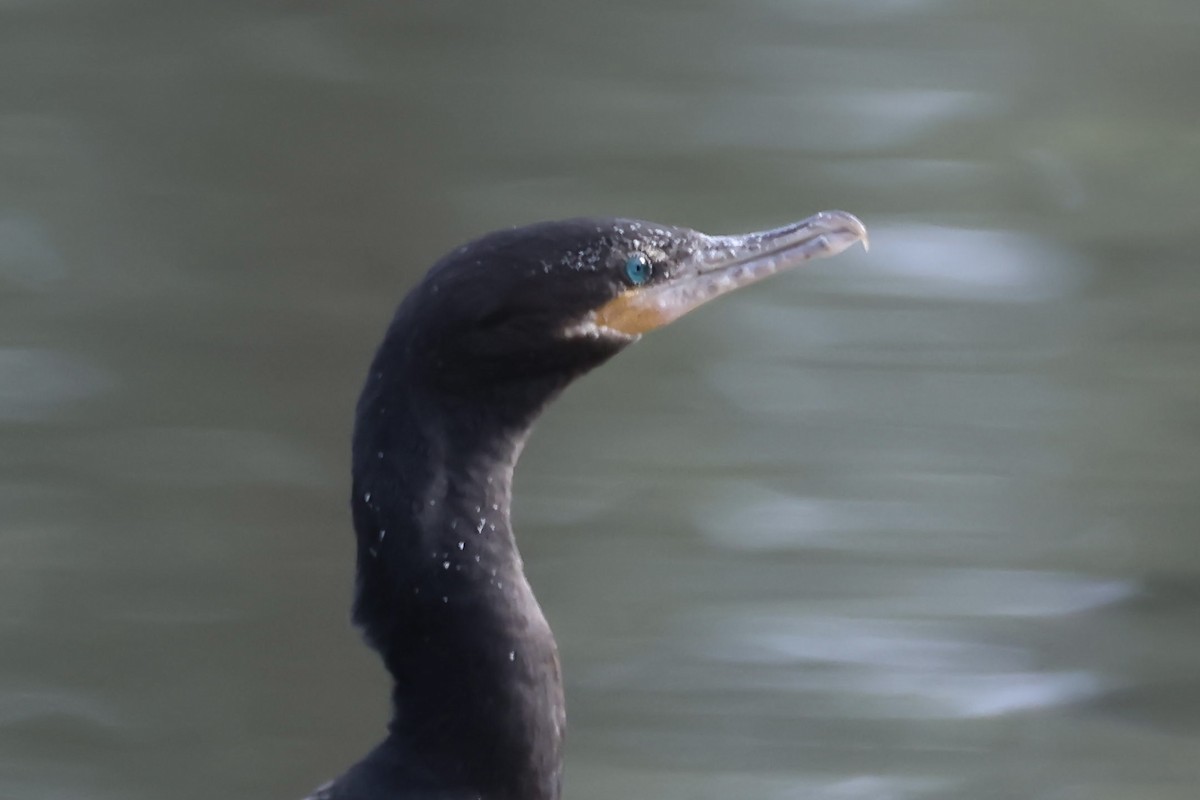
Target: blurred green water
913 524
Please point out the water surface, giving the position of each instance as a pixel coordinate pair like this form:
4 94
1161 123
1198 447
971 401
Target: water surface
913 524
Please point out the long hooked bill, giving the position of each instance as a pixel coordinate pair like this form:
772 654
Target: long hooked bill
726 263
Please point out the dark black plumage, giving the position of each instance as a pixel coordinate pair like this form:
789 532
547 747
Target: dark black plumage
493 333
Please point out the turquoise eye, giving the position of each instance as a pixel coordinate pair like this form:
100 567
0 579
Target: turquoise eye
638 269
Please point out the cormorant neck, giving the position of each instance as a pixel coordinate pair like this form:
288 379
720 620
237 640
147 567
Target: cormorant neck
441 592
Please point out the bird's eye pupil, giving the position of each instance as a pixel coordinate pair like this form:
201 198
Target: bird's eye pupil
638 269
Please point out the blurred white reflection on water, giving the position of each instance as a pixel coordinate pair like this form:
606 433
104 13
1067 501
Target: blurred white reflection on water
938 175
198 457
762 785
848 122
35 384
959 264
28 258
889 668
296 48
36 704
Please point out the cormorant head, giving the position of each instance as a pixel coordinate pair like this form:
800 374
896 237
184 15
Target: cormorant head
478 347
542 304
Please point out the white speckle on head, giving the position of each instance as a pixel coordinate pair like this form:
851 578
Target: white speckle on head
482 522
379 454
512 655
382 533
367 497
495 506
445 599
462 545
374 553
445 565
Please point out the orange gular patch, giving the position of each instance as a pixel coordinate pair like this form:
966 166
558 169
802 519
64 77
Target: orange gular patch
633 313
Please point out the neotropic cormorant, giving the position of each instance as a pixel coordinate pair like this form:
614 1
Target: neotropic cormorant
476 350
